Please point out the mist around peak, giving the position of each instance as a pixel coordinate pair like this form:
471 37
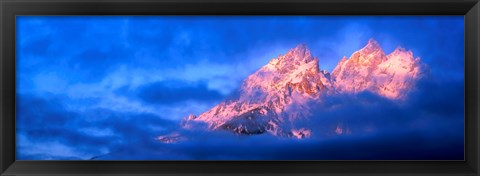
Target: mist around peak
118 87
291 89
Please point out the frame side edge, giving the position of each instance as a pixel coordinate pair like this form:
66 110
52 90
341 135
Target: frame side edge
472 143
7 81
2 168
7 57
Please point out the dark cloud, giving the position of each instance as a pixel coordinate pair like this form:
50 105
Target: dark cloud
92 65
413 145
42 121
23 156
38 47
130 125
427 127
39 112
431 105
85 48
170 92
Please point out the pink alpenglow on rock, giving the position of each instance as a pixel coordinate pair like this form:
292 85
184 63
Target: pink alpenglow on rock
289 87
370 69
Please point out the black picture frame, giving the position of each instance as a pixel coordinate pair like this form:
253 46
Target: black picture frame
9 9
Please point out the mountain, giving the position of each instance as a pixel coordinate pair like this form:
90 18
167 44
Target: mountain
290 87
370 69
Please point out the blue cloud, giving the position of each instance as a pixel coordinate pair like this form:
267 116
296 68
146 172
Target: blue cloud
61 56
381 130
43 121
171 92
168 42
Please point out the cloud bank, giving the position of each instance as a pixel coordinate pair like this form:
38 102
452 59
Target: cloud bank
105 87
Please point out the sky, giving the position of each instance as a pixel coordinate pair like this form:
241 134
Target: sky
93 85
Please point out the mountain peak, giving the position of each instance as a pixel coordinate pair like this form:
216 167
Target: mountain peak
282 91
299 53
295 66
400 50
372 43
301 46
371 54
372 46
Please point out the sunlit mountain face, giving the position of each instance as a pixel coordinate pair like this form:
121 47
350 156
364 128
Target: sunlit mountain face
240 88
291 88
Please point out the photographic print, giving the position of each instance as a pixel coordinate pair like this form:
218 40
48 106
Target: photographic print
240 87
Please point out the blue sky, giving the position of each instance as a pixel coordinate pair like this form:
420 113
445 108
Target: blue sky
103 77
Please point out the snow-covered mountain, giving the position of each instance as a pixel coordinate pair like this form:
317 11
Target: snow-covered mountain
370 69
290 87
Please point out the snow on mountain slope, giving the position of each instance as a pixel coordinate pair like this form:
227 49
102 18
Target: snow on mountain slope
272 97
370 69
287 89
398 74
355 74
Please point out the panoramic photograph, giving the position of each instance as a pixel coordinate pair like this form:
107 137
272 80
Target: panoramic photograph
240 88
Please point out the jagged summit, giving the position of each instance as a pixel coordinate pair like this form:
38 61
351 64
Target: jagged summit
295 66
282 91
361 62
371 69
400 50
372 43
294 58
372 52
302 48
300 53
